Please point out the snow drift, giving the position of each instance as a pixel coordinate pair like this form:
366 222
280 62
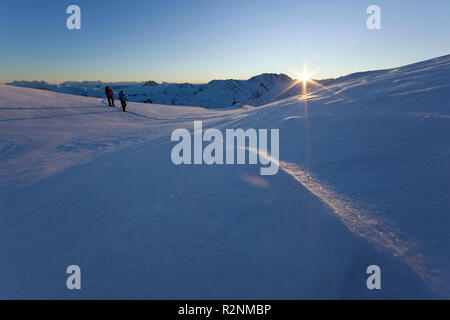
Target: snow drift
364 166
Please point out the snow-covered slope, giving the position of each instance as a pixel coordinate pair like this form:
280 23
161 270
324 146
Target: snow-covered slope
256 91
45 132
363 180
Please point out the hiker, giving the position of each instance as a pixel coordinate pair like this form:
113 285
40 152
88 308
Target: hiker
123 100
110 95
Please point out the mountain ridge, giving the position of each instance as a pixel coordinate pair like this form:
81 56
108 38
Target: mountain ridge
256 91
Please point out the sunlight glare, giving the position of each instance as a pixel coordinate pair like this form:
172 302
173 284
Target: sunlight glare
305 77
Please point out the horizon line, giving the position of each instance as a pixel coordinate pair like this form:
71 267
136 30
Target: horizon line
225 79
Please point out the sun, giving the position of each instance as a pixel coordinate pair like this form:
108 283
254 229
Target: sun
305 77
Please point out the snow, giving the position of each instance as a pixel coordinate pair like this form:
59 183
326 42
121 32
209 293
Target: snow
363 180
255 91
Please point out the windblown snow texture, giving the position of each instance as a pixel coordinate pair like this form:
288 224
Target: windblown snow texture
363 180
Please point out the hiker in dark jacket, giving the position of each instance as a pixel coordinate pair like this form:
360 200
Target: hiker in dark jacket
123 100
110 95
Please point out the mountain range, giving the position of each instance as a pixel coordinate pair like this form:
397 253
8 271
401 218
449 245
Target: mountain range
256 91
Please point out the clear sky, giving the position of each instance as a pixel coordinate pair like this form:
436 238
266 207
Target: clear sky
201 40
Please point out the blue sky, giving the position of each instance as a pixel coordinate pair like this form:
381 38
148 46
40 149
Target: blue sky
201 40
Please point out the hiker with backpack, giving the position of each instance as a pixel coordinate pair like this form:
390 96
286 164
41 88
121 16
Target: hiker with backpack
123 100
110 95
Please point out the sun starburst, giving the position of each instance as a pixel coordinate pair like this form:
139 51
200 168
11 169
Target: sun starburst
305 77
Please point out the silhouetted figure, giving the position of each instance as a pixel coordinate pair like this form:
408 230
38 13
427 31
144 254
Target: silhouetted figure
110 95
123 100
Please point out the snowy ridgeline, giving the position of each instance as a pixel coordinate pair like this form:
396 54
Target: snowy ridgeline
363 181
255 91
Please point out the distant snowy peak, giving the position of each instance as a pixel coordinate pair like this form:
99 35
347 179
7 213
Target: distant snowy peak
150 83
273 78
262 89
